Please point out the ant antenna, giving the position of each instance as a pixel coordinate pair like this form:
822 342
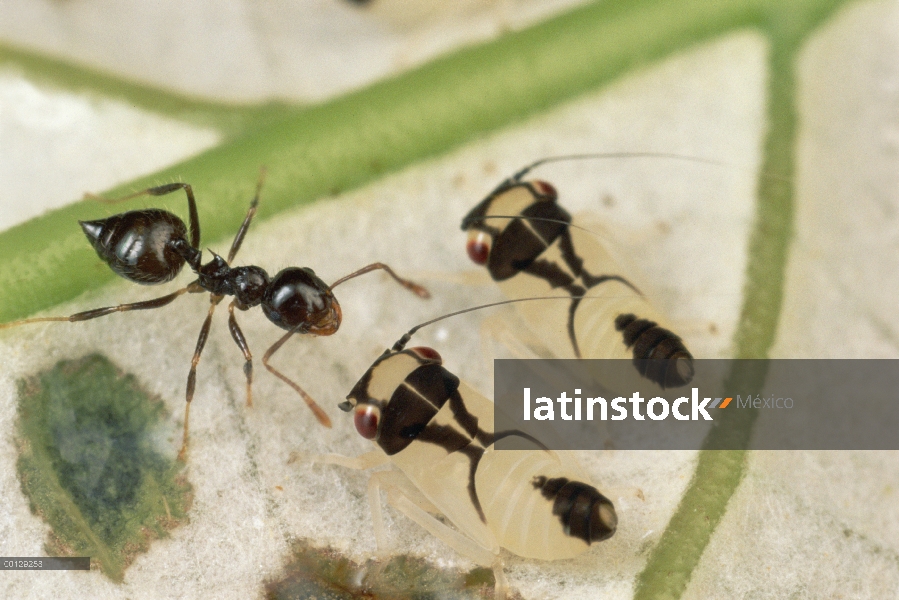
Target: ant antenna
614 155
611 155
401 343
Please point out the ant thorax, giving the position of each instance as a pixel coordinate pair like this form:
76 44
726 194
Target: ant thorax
246 284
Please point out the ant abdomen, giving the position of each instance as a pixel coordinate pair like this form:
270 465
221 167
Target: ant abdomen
660 355
137 245
297 297
584 512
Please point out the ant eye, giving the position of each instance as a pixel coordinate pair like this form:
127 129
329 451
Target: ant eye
366 420
478 246
547 192
427 353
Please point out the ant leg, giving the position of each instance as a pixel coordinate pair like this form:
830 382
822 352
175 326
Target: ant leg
315 408
393 482
238 239
241 342
192 376
363 462
413 287
102 312
162 190
488 557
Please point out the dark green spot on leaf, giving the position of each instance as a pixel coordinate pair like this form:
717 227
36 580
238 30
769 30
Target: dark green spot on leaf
92 463
326 575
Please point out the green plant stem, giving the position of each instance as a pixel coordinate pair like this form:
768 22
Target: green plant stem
719 472
231 119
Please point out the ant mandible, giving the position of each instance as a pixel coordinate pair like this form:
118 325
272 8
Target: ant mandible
151 246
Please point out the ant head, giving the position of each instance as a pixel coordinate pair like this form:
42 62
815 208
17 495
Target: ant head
297 300
501 227
510 228
398 396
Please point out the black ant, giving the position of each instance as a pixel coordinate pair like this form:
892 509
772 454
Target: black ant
151 246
